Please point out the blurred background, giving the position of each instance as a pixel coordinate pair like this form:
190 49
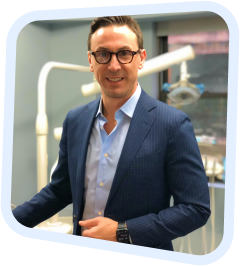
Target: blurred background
66 41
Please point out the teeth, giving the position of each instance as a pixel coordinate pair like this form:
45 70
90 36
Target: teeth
115 79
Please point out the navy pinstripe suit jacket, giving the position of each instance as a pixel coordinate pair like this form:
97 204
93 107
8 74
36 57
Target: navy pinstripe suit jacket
160 158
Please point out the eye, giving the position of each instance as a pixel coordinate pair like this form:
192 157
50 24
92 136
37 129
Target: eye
124 53
103 54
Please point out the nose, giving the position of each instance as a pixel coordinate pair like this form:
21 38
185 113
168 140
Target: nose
114 65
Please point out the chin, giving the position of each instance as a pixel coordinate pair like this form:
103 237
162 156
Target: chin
120 91
116 94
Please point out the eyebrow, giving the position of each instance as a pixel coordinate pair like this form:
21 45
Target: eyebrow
106 49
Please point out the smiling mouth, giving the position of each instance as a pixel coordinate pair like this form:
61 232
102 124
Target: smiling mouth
114 79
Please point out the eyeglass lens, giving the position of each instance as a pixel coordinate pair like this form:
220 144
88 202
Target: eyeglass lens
123 56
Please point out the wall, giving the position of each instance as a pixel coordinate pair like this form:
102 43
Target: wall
67 45
32 52
149 83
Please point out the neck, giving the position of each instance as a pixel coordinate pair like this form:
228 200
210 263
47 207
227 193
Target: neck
111 105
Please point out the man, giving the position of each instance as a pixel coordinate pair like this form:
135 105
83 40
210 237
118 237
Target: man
123 157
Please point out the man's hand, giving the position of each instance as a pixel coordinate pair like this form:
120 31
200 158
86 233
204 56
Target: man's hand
100 228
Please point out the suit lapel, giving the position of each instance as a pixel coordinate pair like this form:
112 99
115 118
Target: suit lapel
141 122
86 122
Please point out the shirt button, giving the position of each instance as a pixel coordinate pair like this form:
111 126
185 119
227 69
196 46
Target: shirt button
99 213
101 128
101 115
106 155
101 184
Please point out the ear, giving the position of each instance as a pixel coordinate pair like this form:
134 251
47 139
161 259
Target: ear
143 56
90 62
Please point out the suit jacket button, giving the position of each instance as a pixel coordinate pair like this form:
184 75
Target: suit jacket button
74 217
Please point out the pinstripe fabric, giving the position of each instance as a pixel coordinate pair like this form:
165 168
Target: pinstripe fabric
100 168
160 158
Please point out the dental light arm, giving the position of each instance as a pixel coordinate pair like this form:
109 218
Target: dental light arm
164 61
43 80
42 122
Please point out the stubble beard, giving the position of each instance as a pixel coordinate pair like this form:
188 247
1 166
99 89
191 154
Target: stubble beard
115 94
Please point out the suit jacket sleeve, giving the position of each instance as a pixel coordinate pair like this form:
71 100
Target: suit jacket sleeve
187 183
52 198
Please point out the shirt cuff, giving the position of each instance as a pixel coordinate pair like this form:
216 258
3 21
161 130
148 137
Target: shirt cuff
130 239
129 235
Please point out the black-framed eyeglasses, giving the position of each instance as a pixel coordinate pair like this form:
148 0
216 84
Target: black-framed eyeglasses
123 57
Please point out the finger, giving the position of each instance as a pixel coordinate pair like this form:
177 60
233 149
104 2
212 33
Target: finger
89 223
89 232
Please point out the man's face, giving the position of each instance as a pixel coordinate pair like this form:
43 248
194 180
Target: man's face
114 39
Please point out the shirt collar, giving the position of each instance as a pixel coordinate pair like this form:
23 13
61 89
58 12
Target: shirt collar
99 108
129 107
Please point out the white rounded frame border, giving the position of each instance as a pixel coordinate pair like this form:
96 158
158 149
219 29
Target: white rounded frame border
231 128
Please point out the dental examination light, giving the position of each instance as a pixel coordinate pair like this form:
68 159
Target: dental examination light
183 92
157 64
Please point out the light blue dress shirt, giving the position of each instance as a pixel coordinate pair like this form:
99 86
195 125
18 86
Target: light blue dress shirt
103 155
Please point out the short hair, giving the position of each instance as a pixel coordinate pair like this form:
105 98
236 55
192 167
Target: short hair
102 22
